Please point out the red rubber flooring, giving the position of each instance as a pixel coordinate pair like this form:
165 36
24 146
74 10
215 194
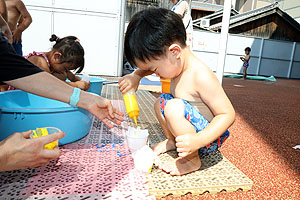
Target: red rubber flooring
267 126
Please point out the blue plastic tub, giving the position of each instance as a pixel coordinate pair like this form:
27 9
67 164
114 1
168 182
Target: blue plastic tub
96 85
21 111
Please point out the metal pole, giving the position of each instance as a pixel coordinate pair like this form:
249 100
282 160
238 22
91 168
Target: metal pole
223 40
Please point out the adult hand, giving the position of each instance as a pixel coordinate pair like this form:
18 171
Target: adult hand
187 144
103 110
18 151
129 81
17 35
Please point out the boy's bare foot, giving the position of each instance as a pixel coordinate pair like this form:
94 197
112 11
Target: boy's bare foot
181 166
164 146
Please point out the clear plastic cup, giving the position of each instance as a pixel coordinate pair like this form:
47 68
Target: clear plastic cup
40 132
136 138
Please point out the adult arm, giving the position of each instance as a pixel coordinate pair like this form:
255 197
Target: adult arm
50 87
3 10
24 22
18 152
5 29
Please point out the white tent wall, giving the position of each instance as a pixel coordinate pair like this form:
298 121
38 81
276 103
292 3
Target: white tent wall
268 57
98 24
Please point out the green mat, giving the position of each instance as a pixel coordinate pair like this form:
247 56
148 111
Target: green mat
271 78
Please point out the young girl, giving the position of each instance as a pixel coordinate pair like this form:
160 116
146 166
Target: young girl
66 55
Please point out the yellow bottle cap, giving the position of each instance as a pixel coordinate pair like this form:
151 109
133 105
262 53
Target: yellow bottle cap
133 115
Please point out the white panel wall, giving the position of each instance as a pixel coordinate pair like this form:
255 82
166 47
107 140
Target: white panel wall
34 40
98 24
268 57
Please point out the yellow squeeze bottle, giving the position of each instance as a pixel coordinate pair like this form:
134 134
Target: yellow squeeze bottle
131 105
39 132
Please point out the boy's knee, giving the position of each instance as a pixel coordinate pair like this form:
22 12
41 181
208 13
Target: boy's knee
174 108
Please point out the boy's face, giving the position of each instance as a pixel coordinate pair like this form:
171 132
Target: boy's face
247 52
165 66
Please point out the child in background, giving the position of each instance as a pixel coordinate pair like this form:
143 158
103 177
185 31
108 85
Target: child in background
196 115
67 54
18 20
246 59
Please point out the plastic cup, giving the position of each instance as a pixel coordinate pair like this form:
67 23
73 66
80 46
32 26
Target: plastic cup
136 140
40 132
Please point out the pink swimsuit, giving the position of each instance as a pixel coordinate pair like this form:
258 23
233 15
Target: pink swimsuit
38 54
29 55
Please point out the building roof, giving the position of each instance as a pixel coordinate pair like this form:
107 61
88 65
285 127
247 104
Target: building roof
196 5
255 14
217 14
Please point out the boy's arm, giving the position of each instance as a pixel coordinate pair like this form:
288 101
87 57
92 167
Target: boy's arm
3 10
24 23
132 80
213 95
215 98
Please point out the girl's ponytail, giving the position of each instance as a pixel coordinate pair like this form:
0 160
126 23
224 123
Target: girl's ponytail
54 38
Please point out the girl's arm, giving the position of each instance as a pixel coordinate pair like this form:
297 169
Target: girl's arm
77 82
72 77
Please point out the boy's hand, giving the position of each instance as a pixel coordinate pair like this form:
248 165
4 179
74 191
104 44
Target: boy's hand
187 144
129 81
17 35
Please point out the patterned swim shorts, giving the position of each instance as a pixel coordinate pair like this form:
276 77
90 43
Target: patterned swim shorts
198 121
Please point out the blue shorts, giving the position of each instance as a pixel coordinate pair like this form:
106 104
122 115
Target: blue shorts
246 64
18 47
198 121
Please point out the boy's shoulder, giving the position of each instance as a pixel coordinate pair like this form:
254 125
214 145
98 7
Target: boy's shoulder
201 70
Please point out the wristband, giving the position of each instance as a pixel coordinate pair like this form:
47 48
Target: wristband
75 97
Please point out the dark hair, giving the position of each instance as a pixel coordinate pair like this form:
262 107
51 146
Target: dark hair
248 49
71 50
150 31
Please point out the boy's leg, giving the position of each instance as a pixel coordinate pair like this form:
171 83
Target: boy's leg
245 73
169 143
174 124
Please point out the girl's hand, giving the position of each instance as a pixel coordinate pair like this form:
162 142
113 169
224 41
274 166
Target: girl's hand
129 81
83 85
187 144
